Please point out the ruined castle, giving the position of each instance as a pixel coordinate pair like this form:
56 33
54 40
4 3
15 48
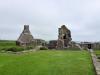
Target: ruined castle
64 40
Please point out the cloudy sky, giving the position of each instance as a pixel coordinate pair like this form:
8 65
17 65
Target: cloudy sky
82 17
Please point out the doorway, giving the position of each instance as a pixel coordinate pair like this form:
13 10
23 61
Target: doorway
89 46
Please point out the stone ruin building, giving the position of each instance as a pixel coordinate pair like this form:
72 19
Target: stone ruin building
52 44
40 42
64 37
90 45
25 37
64 40
86 45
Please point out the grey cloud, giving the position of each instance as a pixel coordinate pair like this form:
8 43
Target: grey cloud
45 16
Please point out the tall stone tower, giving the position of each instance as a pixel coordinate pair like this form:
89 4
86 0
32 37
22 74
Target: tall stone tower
25 39
64 37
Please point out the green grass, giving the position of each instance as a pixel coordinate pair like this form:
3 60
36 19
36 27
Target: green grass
47 63
97 52
7 44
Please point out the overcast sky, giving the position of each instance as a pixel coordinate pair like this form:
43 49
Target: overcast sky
82 17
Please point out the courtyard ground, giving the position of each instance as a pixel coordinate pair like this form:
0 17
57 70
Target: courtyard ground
47 63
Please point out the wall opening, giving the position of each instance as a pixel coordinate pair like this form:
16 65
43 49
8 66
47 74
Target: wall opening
89 46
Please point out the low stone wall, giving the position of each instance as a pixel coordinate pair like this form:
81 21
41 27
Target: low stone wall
96 63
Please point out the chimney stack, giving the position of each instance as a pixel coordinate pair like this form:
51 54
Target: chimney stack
26 29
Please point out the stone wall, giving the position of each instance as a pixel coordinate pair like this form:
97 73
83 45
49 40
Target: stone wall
64 37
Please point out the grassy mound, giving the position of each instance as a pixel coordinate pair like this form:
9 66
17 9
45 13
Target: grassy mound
47 63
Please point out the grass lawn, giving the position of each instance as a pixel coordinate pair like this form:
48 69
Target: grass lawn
97 52
47 63
6 44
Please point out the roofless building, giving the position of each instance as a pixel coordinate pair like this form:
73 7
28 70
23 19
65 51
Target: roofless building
25 38
64 37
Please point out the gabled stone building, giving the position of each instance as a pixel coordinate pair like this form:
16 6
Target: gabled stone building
25 38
